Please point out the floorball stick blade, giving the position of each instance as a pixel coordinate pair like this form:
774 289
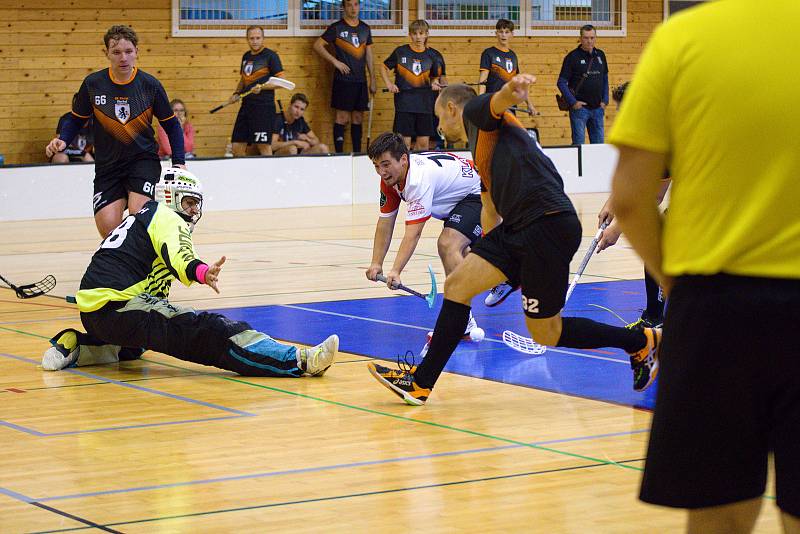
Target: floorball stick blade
280 82
522 344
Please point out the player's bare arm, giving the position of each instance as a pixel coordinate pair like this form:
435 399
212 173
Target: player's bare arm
407 246
320 47
512 93
380 245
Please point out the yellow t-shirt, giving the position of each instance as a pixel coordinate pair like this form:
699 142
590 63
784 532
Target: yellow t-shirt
717 89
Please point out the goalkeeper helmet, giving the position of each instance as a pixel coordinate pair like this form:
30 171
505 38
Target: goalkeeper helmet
177 185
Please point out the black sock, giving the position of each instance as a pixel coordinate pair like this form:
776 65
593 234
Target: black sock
449 329
338 137
582 333
655 300
355 136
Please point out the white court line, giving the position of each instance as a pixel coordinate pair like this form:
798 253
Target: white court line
426 329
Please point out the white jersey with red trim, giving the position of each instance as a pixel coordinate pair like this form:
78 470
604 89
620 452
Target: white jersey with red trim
435 183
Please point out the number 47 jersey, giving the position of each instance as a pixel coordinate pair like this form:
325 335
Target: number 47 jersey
435 183
144 254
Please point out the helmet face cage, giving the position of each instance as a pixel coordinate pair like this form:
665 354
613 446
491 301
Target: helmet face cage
176 185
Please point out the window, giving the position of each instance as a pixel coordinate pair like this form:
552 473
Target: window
280 17
532 17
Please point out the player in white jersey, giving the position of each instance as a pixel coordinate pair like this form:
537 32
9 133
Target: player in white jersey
433 184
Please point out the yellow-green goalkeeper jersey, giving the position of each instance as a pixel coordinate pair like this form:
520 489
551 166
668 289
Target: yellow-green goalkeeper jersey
144 254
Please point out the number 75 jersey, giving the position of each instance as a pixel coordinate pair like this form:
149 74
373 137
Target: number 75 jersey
435 183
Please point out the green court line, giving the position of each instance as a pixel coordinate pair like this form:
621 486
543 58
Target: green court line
378 412
337 497
409 419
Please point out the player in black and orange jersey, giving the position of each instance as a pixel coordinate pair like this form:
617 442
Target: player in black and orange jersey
499 63
256 117
533 244
416 68
351 39
122 101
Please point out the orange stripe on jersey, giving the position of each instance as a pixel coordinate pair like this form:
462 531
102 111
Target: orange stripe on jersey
348 48
414 80
511 119
125 133
111 75
503 73
484 151
255 75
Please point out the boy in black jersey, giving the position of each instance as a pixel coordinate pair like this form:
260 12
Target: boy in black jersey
499 63
124 307
81 148
256 116
122 101
533 244
351 39
416 69
292 134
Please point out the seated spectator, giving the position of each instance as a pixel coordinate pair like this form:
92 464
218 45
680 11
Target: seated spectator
81 148
292 134
164 150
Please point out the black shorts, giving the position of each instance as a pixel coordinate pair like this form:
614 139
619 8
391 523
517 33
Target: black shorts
728 394
413 124
254 125
140 176
466 218
536 257
349 96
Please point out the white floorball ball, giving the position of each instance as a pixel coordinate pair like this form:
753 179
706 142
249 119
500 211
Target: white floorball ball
477 334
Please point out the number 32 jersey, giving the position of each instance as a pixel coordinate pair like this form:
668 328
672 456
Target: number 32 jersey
435 183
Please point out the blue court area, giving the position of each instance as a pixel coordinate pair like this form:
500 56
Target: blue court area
387 327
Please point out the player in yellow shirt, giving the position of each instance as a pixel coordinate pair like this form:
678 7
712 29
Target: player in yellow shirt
723 120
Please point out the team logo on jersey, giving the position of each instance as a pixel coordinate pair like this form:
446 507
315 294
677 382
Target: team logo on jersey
383 199
354 40
509 66
416 67
122 110
455 218
248 68
478 230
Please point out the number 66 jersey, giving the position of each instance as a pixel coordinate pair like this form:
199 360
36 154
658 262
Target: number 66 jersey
144 254
435 183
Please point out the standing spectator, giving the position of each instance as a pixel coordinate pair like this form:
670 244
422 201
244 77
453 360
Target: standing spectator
728 255
584 83
257 115
122 99
164 149
352 40
499 63
292 134
81 147
416 68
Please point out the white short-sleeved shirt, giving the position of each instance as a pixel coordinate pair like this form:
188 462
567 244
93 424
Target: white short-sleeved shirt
435 183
